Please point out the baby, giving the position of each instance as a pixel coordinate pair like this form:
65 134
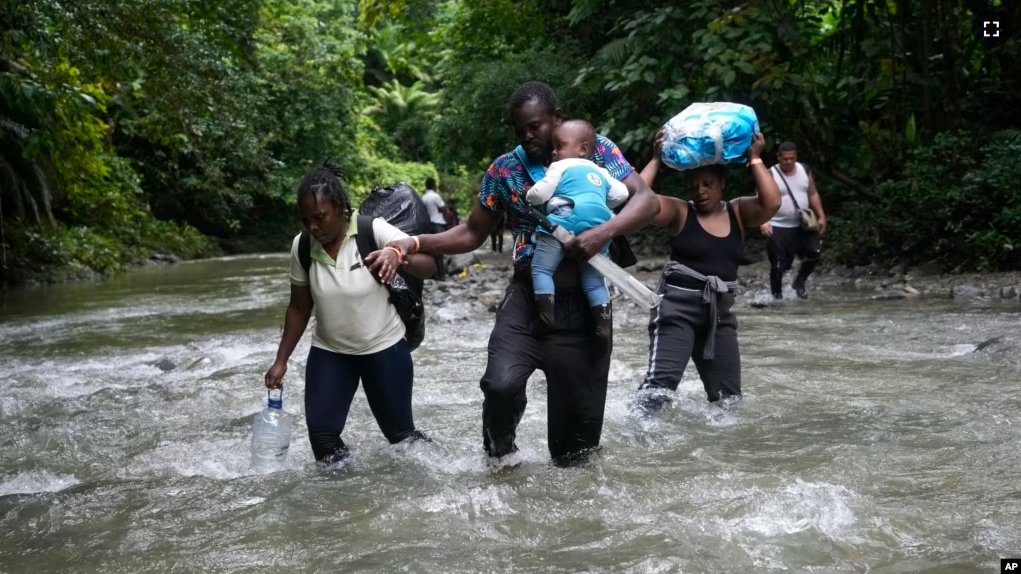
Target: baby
580 196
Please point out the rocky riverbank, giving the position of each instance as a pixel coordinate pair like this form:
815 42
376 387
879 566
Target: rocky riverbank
485 275
872 282
477 280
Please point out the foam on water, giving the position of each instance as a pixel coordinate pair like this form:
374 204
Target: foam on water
137 368
35 482
793 508
478 501
216 459
12 406
834 461
962 349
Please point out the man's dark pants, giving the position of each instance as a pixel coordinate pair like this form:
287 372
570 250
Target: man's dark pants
576 379
783 246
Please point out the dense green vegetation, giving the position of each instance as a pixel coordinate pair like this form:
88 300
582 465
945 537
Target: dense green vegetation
131 127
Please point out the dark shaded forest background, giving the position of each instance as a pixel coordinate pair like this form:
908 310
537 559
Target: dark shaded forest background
133 127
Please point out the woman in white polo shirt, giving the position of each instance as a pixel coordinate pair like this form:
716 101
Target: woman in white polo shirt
358 333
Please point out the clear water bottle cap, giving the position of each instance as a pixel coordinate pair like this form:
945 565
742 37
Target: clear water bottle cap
276 398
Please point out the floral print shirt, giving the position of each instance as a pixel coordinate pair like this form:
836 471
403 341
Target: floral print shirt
507 182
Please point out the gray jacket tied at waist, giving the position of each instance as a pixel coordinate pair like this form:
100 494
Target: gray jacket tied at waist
713 286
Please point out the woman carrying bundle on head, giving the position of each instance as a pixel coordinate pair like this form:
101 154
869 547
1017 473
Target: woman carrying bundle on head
694 319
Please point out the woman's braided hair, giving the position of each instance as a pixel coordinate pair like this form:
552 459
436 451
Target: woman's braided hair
327 181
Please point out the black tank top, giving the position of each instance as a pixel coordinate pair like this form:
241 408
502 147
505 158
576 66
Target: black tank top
706 253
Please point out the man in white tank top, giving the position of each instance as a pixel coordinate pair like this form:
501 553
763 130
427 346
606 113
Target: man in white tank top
787 239
435 206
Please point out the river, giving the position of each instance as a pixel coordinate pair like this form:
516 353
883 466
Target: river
872 437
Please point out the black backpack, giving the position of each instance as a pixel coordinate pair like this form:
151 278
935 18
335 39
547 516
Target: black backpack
400 206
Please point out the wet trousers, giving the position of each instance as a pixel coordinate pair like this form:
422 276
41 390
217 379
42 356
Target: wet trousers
576 380
331 380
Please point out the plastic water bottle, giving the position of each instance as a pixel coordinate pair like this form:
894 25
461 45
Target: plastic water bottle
272 434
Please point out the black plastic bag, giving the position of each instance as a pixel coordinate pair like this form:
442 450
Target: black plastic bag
400 206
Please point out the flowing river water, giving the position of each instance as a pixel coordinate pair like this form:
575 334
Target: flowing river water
872 437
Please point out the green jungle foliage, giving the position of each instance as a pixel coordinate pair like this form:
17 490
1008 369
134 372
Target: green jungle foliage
135 127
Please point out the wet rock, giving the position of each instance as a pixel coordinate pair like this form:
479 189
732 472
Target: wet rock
468 294
199 363
889 296
1008 292
988 343
652 264
749 258
491 299
164 259
872 269
439 297
966 292
78 270
164 364
940 293
456 311
459 263
1006 347
844 272
911 290
650 242
895 270
929 268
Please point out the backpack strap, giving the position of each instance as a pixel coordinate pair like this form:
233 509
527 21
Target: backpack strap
305 251
366 239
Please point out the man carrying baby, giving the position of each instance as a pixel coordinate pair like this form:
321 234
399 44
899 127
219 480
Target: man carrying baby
580 195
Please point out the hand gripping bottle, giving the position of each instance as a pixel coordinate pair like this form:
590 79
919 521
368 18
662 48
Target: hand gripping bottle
271 436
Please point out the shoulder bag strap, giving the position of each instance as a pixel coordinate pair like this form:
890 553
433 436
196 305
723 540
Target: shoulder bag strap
796 206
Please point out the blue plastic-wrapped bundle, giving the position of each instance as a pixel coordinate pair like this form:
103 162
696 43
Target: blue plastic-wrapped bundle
706 134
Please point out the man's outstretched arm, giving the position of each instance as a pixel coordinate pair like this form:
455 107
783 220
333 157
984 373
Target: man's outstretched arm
463 238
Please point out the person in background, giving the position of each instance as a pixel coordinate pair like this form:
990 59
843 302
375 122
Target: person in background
496 237
451 217
358 334
437 217
785 236
694 319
